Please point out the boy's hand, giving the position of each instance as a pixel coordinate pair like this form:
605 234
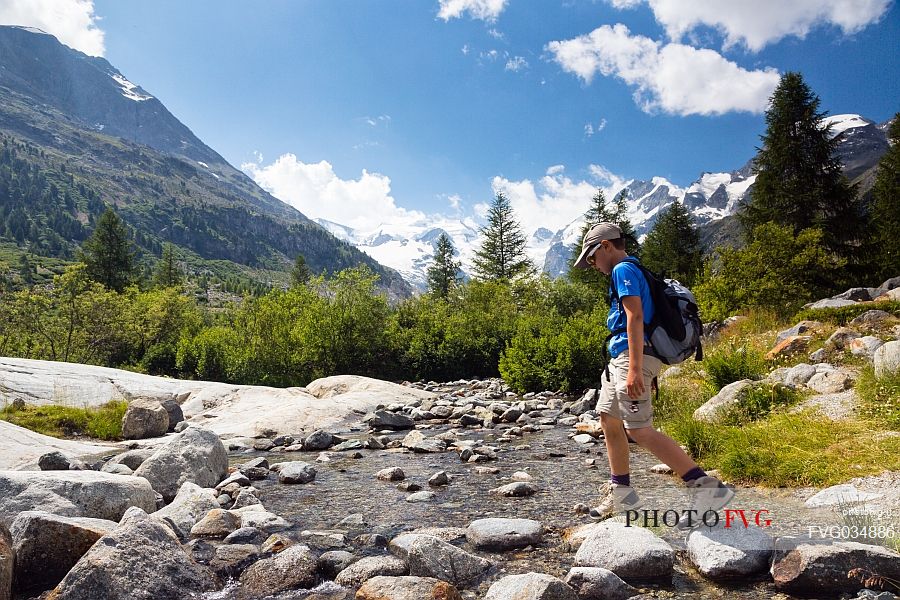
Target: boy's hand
634 383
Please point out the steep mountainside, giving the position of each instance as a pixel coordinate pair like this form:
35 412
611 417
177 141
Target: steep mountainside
77 136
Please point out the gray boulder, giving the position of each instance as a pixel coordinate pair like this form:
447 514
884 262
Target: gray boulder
231 559
530 586
290 569
595 583
382 419
887 359
73 494
195 455
141 559
829 382
130 458
810 568
406 588
429 556
371 566
725 553
296 472
417 442
7 560
144 418
831 303
798 329
318 440
217 523
632 553
176 415
504 534
191 504
871 318
799 374
332 562
54 461
517 489
47 546
841 338
717 406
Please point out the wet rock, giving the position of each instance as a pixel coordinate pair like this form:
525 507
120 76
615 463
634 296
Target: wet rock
382 419
406 588
348 445
632 553
237 478
144 418
293 568
521 476
530 586
217 523
829 382
195 455
729 553
390 474
53 461
246 535
429 556
887 359
245 498
296 472
230 560
334 561
595 583
369 567
256 516
47 546
263 445
324 539
417 442
438 479
126 564
7 560
717 406
830 567
318 440
190 505
517 489
421 497
504 534
73 494
409 486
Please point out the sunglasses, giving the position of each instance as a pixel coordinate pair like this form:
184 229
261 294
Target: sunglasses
590 257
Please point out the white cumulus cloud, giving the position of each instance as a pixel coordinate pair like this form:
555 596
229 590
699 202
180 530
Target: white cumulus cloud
672 78
73 22
486 10
316 190
762 22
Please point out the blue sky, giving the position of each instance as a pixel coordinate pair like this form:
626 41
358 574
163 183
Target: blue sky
361 111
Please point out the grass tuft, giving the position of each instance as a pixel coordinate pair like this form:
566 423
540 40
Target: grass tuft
879 398
103 422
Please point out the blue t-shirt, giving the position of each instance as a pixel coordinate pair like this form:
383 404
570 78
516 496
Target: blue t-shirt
627 280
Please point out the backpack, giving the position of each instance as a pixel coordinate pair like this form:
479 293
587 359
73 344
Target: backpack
675 329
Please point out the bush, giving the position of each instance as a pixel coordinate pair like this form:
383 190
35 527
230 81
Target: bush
730 362
758 402
215 354
103 422
844 314
880 398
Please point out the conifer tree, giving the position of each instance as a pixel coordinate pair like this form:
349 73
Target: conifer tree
799 181
501 256
886 207
167 273
443 274
107 254
621 219
300 273
600 212
672 247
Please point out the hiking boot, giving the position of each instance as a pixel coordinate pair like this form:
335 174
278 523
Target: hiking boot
616 498
707 493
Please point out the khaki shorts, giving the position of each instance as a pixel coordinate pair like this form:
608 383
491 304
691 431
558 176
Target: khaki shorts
614 400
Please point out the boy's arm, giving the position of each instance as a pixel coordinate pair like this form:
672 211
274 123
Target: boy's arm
634 322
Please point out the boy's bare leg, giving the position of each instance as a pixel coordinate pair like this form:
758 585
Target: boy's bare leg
663 447
616 444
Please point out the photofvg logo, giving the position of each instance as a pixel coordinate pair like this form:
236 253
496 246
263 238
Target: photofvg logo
689 518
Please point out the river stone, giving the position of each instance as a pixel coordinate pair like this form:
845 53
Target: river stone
6 563
829 382
438 479
733 552
887 359
144 418
176 415
371 566
191 504
530 586
838 496
318 440
417 442
296 472
717 406
334 561
824 567
391 474
244 498
257 516
246 535
400 544
73 494
632 553
595 583
504 534
47 546
231 559
217 523
517 489
54 461
141 559
421 497
291 569
195 455
130 458
799 374
407 588
429 556
382 419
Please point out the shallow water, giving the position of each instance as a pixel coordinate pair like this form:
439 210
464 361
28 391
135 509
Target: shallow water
346 486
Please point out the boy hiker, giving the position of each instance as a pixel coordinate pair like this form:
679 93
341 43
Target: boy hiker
624 402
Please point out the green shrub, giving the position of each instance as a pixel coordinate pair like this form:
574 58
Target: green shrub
103 422
760 400
730 362
844 314
214 354
880 398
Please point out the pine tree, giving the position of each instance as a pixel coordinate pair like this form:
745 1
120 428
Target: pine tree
799 181
167 273
300 274
107 254
621 219
600 212
443 274
26 270
672 247
501 256
886 207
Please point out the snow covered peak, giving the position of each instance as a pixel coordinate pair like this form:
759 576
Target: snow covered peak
31 29
130 90
841 123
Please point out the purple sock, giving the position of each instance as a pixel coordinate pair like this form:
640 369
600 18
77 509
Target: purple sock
694 473
621 479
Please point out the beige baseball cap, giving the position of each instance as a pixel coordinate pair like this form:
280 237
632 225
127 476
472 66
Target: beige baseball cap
595 235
